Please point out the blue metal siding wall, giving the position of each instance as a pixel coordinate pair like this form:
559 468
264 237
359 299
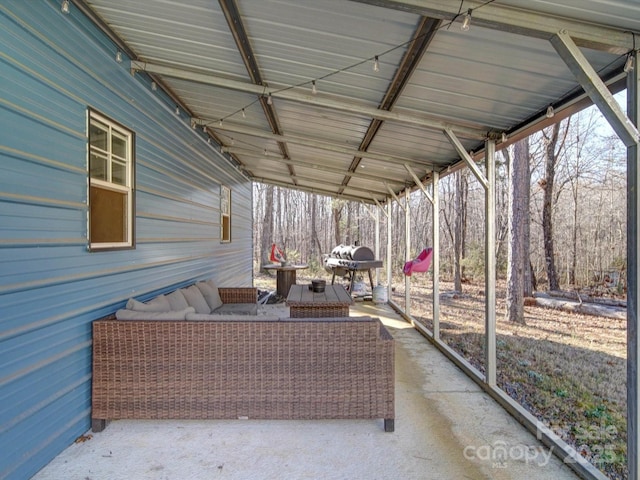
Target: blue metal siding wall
52 68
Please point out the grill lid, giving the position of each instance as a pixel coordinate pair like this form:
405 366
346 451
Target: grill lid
353 252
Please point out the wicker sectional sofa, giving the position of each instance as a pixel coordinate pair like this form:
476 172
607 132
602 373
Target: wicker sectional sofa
291 368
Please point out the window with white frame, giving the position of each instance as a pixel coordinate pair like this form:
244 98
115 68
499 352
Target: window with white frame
225 214
111 180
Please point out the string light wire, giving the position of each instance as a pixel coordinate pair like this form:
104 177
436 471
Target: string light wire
312 84
375 59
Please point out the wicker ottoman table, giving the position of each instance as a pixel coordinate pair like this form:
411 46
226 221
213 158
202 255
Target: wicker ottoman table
305 303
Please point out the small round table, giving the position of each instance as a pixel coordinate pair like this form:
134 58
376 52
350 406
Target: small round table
285 276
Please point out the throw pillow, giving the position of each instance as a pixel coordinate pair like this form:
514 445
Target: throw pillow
158 304
210 294
195 299
177 301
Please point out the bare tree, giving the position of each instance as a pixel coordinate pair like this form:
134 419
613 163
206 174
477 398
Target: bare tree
266 227
554 144
337 207
459 229
518 252
315 247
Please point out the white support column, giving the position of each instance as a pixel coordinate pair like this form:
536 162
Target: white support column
633 267
389 256
407 252
434 199
436 255
490 265
375 214
377 247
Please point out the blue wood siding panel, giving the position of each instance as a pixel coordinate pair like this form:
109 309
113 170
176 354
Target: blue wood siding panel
53 67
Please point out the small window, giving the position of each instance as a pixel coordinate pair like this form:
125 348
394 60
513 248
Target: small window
111 181
225 214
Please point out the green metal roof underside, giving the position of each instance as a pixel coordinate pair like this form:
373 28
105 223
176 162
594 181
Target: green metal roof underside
366 133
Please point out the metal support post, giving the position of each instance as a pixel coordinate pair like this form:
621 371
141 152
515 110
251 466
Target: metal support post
436 255
490 264
389 256
633 289
407 253
377 245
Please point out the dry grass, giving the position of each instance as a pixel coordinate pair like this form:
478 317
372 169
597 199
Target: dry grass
567 369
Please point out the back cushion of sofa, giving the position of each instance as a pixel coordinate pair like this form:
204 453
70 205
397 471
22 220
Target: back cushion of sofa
177 301
195 299
157 304
211 294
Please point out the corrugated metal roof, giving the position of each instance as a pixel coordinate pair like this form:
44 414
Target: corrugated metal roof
499 76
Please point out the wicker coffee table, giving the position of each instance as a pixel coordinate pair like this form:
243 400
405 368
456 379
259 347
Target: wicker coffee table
305 303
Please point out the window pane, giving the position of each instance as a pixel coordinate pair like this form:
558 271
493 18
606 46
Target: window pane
98 135
225 196
118 173
119 146
98 167
108 216
226 229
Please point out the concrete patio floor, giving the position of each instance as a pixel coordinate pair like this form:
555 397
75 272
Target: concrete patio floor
445 428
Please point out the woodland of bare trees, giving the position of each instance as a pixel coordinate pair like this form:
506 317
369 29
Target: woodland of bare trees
569 201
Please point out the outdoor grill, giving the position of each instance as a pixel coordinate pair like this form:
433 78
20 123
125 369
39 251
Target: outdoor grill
346 260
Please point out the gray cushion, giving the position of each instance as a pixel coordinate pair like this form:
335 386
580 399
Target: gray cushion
237 309
195 299
177 301
124 314
210 293
158 304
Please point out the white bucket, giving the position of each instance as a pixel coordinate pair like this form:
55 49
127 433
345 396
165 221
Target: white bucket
379 294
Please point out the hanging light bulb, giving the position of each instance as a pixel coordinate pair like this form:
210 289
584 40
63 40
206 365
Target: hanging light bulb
209 140
204 128
628 65
314 90
177 110
154 86
220 123
64 8
504 137
550 112
118 56
244 115
376 64
269 99
466 22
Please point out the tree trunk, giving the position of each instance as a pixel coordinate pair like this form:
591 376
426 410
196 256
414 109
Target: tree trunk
315 248
459 206
547 207
336 209
518 257
267 228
